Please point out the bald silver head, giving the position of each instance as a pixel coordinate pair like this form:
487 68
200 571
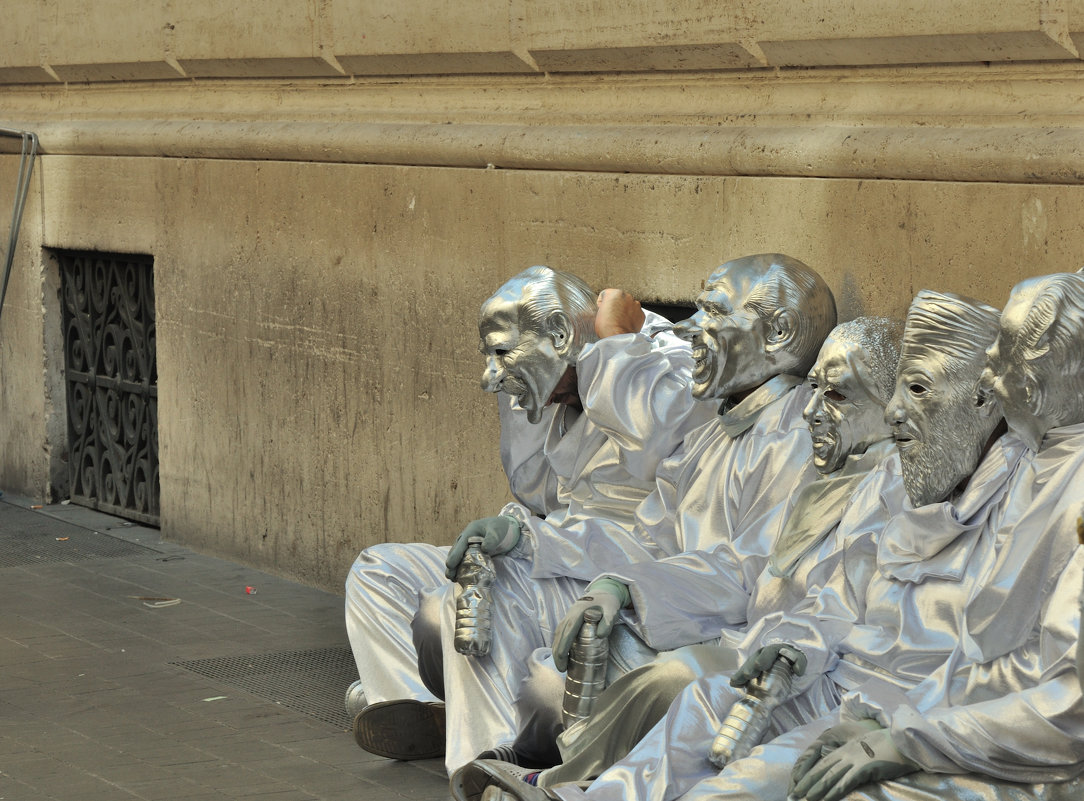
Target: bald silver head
758 317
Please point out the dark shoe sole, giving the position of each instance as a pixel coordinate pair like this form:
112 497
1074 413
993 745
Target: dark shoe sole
402 730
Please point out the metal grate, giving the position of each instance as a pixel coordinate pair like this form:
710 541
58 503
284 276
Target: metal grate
111 372
313 682
28 538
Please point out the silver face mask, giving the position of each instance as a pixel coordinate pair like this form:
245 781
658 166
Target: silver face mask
728 341
851 382
738 346
531 333
940 425
1034 366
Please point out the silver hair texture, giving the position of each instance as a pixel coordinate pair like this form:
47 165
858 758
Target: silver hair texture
1052 335
547 290
974 325
879 337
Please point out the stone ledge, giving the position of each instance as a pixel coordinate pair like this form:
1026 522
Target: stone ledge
434 63
1004 154
282 39
117 71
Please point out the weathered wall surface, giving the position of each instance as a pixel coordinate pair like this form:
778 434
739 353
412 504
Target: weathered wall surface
24 394
329 189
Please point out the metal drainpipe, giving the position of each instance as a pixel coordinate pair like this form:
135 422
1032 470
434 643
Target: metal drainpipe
26 166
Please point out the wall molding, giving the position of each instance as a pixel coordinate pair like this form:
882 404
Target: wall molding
1006 123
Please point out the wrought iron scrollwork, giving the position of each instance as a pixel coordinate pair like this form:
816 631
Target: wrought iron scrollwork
112 382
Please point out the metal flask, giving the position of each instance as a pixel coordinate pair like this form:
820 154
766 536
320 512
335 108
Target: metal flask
748 720
586 677
474 606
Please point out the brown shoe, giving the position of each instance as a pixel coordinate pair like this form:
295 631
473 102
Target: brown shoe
402 730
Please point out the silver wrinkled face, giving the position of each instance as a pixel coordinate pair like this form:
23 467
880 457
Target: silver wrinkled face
1006 378
728 341
845 415
939 430
1033 367
524 363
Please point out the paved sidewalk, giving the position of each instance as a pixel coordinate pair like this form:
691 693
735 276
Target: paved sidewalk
110 691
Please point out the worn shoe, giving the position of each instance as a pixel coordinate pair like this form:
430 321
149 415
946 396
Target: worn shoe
508 753
528 792
489 778
402 730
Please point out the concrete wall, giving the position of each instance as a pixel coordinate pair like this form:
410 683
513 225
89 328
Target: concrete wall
323 234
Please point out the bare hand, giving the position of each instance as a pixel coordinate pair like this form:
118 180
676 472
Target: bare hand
618 313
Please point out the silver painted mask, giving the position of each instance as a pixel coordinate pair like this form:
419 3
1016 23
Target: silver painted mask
531 332
939 424
1034 366
737 342
851 381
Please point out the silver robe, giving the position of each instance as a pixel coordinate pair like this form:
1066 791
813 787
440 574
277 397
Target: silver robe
638 406
1007 703
829 514
887 618
732 479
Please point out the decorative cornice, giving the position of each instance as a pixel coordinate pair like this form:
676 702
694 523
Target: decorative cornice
1010 123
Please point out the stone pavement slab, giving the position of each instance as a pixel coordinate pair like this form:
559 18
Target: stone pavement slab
109 690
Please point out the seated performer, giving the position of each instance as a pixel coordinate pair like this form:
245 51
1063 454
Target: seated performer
1012 726
890 613
616 406
760 323
852 382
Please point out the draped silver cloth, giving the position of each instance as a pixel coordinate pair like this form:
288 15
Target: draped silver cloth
1007 703
689 598
732 479
637 408
885 622
813 539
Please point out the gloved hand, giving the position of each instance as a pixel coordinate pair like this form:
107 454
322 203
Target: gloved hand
605 594
869 757
763 659
828 741
499 535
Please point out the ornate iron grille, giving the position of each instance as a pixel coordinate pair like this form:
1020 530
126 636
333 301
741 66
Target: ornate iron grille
112 382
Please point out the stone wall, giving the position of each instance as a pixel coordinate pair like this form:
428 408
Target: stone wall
330 188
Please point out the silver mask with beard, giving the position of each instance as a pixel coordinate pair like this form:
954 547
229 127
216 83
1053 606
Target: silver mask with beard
531 332
940 423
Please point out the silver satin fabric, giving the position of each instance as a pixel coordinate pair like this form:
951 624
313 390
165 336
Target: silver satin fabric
385 589
768 461
1007 702
721 504
531 478
969 787
882 626
891 607
857 494
595 459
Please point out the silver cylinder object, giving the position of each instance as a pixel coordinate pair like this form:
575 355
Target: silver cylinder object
748 720
586 677
474 606
355 700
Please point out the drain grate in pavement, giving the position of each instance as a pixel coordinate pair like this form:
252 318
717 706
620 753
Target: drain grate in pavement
29 538
313 682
